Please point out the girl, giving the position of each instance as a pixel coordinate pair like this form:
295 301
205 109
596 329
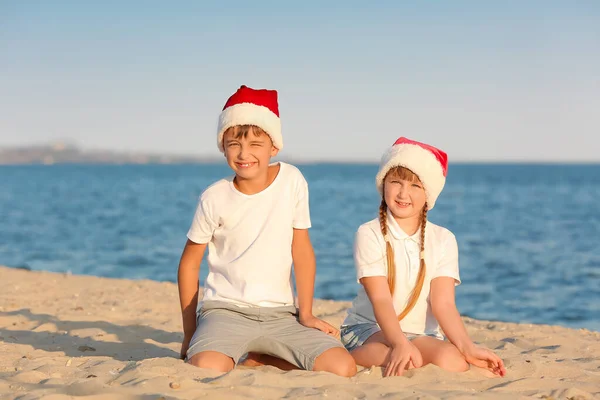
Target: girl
408 268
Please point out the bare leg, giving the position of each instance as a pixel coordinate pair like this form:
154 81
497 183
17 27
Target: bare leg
441 353
212 360
336 360
373 352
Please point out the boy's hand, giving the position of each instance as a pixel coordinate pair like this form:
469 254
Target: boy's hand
310 321
184 347
485 358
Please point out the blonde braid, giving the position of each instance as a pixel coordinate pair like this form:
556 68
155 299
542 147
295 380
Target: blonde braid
422 270
389 250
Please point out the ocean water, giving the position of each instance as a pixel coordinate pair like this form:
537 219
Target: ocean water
528 235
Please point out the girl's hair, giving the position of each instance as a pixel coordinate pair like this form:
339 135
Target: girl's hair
239 131
404 174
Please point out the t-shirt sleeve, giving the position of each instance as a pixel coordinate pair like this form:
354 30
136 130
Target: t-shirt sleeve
202 228
369 255
301 218
448 264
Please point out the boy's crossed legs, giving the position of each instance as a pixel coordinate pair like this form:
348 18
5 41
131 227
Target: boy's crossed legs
226 332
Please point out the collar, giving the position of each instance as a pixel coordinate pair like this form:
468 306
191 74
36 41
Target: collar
397 233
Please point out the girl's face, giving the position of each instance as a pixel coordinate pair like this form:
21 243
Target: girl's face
404 194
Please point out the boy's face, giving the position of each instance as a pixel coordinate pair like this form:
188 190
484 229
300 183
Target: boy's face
248 155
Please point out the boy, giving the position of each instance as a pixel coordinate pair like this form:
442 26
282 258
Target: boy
255 225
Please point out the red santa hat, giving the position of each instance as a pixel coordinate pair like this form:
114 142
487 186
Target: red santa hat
427 162
256 107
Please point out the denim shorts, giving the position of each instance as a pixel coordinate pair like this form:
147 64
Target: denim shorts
356 335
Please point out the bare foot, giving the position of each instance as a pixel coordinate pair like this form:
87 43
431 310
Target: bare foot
259 360
484 371
252 360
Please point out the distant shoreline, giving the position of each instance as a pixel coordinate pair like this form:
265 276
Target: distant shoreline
66 154
60 153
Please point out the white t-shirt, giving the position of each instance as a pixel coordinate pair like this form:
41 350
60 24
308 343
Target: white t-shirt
250 239
441 259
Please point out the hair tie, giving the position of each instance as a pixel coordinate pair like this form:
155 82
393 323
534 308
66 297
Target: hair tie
386 237
422 254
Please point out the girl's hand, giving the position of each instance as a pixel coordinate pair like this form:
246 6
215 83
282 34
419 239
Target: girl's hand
485 358
400 357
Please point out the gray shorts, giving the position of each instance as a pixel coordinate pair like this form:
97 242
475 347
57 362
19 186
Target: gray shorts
235 331
356 335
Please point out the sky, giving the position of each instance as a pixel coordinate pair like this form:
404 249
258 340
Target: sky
484 81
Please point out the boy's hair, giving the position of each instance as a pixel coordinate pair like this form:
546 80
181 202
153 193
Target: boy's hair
241 131
403 174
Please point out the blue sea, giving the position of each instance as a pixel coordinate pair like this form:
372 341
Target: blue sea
528 235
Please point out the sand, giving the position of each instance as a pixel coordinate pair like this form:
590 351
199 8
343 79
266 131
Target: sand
82 337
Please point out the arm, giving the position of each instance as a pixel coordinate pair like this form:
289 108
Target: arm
445 312
441 295
305 267
187 281
402 351
381 299
371 268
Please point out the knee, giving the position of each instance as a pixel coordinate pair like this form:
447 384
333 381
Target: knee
336 361
456 365
219 362
451 360
345 367
373 354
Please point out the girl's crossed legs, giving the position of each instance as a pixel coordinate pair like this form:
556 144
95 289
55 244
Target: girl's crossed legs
375 350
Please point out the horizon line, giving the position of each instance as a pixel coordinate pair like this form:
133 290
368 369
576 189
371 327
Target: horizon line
311 162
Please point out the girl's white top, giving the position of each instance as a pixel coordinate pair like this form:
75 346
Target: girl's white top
441 259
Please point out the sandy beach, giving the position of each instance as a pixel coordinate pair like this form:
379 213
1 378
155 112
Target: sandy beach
64 337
